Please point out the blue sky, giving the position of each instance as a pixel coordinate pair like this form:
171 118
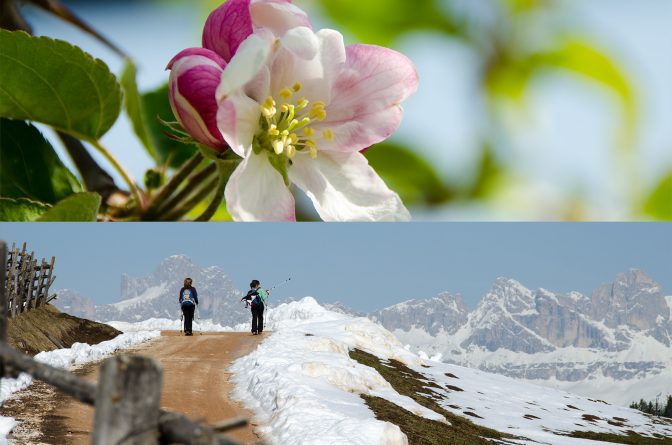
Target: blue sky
366 266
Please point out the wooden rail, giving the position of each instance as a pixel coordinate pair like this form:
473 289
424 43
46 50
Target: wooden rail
126 398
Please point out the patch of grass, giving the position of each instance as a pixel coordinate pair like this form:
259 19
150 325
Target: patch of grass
421 431
451 375
530 417
46 329
590 418
632 438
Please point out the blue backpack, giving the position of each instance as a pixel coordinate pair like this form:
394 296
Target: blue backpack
187 298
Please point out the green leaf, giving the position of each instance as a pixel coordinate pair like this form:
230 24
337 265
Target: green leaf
56 83
30 167
408 174
659 202
78 207
380 22
156 108
20 210
134 106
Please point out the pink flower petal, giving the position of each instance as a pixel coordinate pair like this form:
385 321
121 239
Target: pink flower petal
257 192
194 78
226 27
367 94
343 187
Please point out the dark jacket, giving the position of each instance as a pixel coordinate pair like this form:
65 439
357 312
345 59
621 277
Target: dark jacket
252 295
188 295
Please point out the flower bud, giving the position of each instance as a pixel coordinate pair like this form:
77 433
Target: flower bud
194 77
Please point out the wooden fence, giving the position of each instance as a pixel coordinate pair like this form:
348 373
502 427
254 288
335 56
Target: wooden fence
126 398
27 283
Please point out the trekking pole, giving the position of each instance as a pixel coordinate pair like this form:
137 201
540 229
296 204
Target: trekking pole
181 322
279 284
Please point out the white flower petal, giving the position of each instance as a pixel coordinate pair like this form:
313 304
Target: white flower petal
238 121
301 41
315 75
257 192
279 17
343 187
251 56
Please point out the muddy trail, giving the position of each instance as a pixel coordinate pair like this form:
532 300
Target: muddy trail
195 383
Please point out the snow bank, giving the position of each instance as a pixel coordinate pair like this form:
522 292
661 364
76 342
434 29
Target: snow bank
7 424
78 353
167 324
304 388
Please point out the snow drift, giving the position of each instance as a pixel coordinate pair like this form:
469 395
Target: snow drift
304 388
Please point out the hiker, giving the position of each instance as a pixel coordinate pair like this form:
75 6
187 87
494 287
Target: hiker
256 298
188 302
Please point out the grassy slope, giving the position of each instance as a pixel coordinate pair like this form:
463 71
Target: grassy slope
461 431
46 329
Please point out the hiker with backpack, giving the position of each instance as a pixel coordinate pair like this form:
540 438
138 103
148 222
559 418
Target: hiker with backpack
256 298
188 302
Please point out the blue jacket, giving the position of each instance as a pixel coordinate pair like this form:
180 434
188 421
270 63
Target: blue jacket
188 295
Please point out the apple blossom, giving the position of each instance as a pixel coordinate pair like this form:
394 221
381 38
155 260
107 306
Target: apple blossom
298 107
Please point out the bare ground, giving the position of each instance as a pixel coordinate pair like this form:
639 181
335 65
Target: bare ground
195 383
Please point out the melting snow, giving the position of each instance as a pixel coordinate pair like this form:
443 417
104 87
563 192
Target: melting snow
77 354
304 388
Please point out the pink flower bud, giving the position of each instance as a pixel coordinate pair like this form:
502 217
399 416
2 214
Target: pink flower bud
232 22
194 77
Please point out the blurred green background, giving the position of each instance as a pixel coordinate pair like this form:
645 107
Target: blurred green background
527 109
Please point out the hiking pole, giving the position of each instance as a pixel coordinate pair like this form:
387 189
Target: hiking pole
279 284
181 322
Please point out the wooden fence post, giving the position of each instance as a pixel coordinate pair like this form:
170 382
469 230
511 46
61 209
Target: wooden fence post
40 284
127 402
50 279
3 300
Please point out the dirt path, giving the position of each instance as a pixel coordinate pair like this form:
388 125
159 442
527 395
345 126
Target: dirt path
195 383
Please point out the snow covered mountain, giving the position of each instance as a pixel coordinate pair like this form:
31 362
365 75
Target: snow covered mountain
155 295
619 337
324 377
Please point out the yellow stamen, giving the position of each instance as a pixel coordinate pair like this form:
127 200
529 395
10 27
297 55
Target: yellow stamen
293 138
284 108
278 147
293 124
291 151
286 93
297 87
313 152
308 131
302 103
273 130
328 134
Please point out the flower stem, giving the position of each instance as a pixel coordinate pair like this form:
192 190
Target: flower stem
133 187
225 168
192 182
168 189
199 195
